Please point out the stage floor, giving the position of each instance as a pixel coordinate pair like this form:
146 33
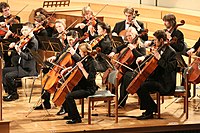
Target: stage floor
42 122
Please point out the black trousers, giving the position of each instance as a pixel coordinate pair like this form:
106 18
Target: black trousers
126 79
77 93
9 74
146 101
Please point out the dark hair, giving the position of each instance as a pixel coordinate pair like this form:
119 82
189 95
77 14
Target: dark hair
160 34
170 18
29 24
105 26
3 5
41 11
72 33
129 10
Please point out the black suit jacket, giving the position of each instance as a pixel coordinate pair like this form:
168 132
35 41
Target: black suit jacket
196 45
121 26
27 65
165 73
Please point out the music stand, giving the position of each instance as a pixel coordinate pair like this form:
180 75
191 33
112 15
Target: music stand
16 28
80 31
118 40
50 44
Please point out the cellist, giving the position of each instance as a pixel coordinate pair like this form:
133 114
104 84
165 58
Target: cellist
194 48
162 80
71 38
85 87
130 21
137 51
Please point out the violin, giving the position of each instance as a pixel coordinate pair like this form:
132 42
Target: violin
96 40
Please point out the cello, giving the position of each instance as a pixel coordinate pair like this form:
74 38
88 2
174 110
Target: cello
194 71
70 80
148 68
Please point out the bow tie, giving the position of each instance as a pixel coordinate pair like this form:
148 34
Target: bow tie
128 22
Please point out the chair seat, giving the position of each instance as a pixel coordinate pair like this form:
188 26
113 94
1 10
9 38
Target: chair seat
180 89
102 93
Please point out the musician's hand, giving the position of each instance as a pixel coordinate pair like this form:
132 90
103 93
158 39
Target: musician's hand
3 24
140 59
81 25
65 70
80 65
132 46
91 29
111 54
72 51
51 59
114 34
189 52
168 35
12 45
147 44
157 55
18 49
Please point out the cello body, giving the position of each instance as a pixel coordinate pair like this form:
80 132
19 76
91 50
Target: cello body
194 71
66 87
51 78
142 75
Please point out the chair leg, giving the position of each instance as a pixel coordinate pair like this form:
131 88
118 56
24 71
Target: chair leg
92 105
116 109
108 108
89 111
32 89
158 104
194 90
82 107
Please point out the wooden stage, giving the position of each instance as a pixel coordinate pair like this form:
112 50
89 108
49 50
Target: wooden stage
172 118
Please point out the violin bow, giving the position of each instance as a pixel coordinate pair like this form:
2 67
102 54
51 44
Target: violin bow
17 13
101 10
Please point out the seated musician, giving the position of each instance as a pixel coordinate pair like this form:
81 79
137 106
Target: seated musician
103 41
40 30
163 78
6 15
89 24
23 61
49 26
85 87
137 50
71 38
130 21
194 49
60 27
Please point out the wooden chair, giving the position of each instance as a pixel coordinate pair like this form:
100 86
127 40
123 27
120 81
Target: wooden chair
180 91
103 95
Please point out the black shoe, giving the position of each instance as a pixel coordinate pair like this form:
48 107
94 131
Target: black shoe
145 116
5 96
47 105
11 97
67 118
74 121
62 111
